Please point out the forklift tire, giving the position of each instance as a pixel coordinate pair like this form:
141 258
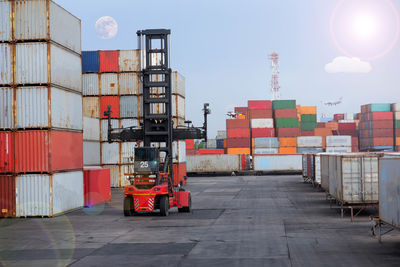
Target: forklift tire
187 209
164 206
128 206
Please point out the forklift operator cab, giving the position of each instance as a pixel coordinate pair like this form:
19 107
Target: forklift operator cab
151 189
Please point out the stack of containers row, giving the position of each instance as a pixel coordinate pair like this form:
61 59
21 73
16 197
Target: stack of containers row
376 127
221 137
339 144
112 78
396 125
308 120
41 139
348 126
262 127
309 144
286 125
238 133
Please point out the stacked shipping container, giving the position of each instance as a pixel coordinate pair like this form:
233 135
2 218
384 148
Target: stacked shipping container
41 105
395 108
286 124
238 133
262 126
308 117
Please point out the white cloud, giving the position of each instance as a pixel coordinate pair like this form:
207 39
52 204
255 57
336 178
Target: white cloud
348 65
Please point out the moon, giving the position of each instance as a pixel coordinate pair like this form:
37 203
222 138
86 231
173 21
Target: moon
106 27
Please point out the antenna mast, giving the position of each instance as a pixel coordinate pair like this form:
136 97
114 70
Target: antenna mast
275 87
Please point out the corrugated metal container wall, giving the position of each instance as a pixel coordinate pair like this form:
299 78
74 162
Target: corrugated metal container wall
113 102
32 19
317 169
109 84
5 21
110 153
129 123
178 84
179 151
7 195
178 106
115 175
324 159
6 152
266 142
90 61
91 107
33 112
213 163
260 151
32 66
48 195
129 84
129 60
6 108
48 151
389 187
262 123
6 76
91 129
127 152
338 149
309 141
91 153
130 106
104 128
338 140
278 163
109 61
90 84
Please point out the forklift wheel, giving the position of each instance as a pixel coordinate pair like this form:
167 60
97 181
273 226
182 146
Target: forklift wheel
164 206
188 208
128 206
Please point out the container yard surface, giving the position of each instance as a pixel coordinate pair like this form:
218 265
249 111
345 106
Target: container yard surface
236 221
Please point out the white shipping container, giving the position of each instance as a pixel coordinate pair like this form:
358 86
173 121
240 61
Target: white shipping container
129 84
211 143
128 152
262 123
179 122
126 123
6 110
346 121
349 116
32 65
395 107
110 153
129 60
91 107
278 162
109 84
90 84
338 141
317 169
338 149
104 128
130 106
6 62
221 135
179 151
33 111
178 106
35 20
91 129
91 153
261 151
396 115
309 141
48 195
178 84
5 21
324 159
213 163
389 188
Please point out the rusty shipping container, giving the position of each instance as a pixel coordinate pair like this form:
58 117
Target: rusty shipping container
129 84
7 196
129 60
91 107
6 152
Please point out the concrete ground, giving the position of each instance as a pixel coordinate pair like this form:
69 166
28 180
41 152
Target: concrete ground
236 221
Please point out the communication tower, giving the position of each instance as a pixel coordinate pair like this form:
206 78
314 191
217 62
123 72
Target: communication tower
275 87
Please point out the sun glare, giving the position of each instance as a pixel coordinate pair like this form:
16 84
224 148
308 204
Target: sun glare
365 26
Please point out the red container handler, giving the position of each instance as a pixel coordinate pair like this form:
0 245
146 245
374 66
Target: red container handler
96 186
238 133
6 152
189 143
112 101
48 151
259 104
262 132
180 173
211 152
109 61
237 124
7 196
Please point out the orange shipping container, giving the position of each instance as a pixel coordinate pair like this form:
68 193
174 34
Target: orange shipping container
288 142
238 151
333 125
308 110
287 150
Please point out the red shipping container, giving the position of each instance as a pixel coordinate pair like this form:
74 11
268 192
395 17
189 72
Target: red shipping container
189 143
307 133
354 149
260 113
338 117
112 101
7 196
237 124
259 104
285 113
358 116
192 152
321 125
180 173
238 142
287 132
353 133
238 133
381 133
397 132
380 116
109 61
382 124
96 186
6 152
347 126
242 110
262 132
381 141
48 151
211 152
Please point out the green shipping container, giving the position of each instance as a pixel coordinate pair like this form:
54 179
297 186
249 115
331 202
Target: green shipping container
284 104
308 118
287 123
397 124
379 107
308 126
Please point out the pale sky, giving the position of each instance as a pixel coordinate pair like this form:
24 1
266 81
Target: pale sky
222 48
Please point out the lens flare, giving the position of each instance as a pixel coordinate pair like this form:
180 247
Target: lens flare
365 26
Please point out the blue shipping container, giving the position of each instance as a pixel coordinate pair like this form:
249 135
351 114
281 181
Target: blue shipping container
220 143
90 61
